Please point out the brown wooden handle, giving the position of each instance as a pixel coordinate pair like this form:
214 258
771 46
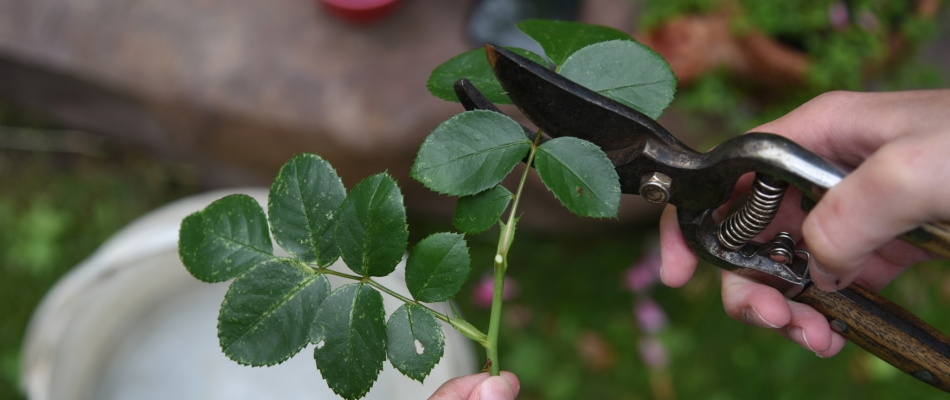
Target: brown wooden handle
885 330
932 236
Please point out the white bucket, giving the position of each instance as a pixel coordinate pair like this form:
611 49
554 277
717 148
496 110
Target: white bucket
129 322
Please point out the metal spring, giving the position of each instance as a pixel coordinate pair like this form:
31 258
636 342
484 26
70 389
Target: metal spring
755 215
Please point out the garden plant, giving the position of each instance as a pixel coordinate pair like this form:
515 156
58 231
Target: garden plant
276 306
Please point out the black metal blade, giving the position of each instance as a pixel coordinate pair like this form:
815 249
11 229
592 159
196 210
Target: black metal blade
561 107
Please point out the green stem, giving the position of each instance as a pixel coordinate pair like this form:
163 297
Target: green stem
385 290
501 266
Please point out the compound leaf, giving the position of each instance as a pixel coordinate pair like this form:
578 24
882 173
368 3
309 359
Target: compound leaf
580 175
626 71
267 313
350 334
560 39
473 65
437 267
371 226
470 152
302 205
416 341
225 239
478 212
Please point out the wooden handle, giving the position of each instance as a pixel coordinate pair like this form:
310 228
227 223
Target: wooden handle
885 330
932 236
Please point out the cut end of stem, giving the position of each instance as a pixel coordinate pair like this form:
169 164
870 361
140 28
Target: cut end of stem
498 259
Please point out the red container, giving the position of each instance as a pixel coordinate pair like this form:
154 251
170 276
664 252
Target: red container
361 12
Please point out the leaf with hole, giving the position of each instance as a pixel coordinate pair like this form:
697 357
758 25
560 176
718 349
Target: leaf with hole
225 239
267 313
371 228
350 334
470 152
625 71
472 65
416 341
580 175
560 39
437 267
302 206
478 212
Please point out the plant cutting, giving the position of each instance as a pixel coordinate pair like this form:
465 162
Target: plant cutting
276 306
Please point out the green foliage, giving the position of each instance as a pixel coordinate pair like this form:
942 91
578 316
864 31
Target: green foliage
371 229
850 45
626 71
408 325
276 305
437 267
470 152
559 39
225 239
302 204
580 175
474 66
350 334
478 212
266 315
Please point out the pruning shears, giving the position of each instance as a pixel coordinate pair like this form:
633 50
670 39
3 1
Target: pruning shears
651 162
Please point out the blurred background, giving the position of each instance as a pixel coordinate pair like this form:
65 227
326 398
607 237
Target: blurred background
109 109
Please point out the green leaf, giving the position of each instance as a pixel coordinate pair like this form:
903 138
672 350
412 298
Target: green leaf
560 39
267 313
408 325
478 212
470 152
580 175
225 239
302 205
371 226
472 64
625 71
437 267
350 334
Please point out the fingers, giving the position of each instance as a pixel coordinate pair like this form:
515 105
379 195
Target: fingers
479 387
896 189
763 306
677 261
753 303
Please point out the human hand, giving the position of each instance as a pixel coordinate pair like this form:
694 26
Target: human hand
479 387
897 147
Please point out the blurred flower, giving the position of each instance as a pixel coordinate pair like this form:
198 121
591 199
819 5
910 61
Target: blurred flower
642 275
517 316
653 353
650 316
486 287
868 21
838 15
595 351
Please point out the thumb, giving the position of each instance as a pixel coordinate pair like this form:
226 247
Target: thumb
892 192
493 388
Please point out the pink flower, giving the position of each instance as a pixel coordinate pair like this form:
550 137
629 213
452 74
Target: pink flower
653 353
868 21
838 15
486 287
650 317
642 275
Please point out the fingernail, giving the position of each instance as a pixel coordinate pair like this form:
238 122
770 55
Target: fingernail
822 278
798 336
750 315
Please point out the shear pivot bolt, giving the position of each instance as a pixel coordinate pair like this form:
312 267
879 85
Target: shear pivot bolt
655 187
